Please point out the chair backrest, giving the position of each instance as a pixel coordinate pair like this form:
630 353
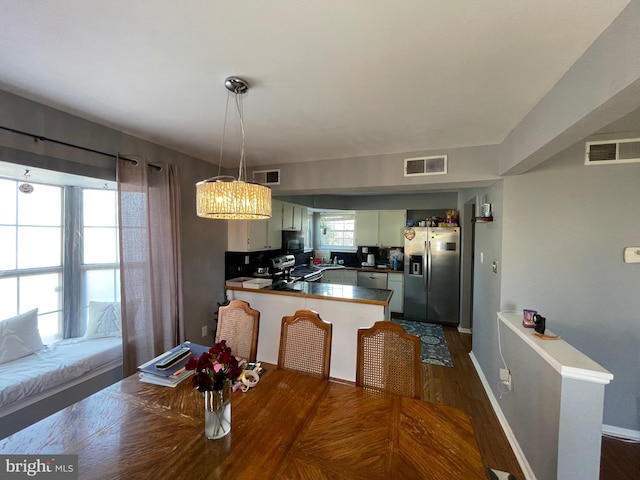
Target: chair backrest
305 344
388 359
239 324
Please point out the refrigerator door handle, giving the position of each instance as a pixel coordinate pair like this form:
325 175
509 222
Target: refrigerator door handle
429 267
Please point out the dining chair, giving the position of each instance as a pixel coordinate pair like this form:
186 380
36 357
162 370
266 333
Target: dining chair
238 325
305 344
388 358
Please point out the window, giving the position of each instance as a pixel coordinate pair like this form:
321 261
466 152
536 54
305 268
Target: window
59 249
337 230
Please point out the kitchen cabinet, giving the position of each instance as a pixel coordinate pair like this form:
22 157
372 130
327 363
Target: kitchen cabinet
254 235
391 225
367 228
292 216
395 282
274 231
340 276
380 228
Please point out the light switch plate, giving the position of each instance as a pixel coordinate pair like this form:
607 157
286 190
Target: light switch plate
632 255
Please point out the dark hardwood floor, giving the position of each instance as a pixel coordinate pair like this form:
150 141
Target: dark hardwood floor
461 387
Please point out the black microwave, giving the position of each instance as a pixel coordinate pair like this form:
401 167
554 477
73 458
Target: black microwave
292 241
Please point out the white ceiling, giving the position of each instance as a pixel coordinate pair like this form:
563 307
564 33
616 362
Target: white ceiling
329 79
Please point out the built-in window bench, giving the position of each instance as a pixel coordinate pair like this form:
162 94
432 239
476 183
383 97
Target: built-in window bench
554 409
37 385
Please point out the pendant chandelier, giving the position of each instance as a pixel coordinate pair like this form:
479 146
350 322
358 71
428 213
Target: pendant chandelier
225 197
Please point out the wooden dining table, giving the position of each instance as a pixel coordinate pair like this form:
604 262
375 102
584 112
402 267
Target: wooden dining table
289 426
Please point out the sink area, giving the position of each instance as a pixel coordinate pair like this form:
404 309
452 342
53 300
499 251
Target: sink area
329 265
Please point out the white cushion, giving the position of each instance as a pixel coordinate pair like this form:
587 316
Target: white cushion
105 320
19 336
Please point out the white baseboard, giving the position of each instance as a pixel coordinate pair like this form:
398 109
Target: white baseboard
520 456
465 330
621 433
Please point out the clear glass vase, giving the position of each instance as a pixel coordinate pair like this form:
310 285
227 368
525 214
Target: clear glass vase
217 413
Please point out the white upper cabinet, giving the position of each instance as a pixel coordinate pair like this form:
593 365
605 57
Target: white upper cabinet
254 235
390 227
380 228
274 232
367 228
292 216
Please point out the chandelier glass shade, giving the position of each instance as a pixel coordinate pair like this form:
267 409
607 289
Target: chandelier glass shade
224 197
228 198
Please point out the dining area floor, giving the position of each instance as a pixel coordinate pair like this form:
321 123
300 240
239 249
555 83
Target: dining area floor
461 387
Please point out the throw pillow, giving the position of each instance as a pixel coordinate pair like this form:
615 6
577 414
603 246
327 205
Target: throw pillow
19 336
105 320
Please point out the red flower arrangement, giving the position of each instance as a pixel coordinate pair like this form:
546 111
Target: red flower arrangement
215 369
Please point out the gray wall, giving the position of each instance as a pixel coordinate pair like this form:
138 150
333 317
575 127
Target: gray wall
203 241
467 167
565 228
600 87
409 201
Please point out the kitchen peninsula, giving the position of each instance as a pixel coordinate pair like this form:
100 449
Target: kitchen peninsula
346 307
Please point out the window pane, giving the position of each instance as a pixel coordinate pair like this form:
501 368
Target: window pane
102 286
39 247
8 297
339 230
43 292
43 206
8 248
99 207
8 189
100 245
50 327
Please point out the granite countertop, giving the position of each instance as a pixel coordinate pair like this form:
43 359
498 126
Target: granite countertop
327 291
359 269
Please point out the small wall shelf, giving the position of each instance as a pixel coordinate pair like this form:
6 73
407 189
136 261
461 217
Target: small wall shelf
483 219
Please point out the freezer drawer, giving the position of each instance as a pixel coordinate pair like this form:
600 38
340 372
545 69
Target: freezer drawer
372 279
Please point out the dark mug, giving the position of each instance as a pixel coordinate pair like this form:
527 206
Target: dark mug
539 321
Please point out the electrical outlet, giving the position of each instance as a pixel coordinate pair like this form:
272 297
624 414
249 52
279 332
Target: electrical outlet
494 266
505 378
204 330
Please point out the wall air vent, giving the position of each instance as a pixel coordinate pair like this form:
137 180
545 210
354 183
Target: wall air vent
607 152
436 165
267 177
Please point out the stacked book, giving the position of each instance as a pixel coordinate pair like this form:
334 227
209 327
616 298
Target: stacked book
169 369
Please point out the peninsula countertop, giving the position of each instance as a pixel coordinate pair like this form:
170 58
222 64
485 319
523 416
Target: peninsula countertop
326 291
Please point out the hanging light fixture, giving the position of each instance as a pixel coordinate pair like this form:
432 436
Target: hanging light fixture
228 198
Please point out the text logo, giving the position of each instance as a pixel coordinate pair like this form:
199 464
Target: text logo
50 467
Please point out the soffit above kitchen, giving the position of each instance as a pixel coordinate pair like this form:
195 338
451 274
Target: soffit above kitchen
328 79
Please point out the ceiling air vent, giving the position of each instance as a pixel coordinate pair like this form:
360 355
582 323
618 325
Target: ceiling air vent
267 177
608 152
425 166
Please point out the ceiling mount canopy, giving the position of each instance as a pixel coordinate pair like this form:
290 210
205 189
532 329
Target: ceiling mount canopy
224 197
236 85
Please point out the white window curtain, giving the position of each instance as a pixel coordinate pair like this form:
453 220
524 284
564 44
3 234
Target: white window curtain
150 260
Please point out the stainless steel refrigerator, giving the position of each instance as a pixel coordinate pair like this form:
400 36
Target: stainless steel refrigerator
432 274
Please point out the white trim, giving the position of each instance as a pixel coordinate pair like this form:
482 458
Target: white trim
464 330
520 456
621 433
564 358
